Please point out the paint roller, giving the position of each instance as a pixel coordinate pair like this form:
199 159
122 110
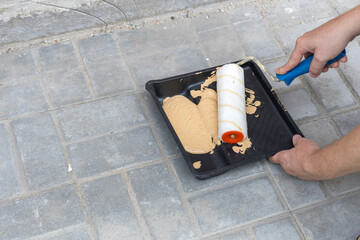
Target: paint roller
232 125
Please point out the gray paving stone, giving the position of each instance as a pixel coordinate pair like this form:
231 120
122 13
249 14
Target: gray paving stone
163 132
282 229
161 205
40 151
106 68
342 6
288 35
350 69
254 35
338 219
9 186
16 65
290 11
296 191
66 87
40 214
344 184
320 131
80 234
114 151
24 29
258 40
167 64
225 36
21 98
111 209
238 235
63 75
237 204
210 21
298 103
191 184
59 57
347 121
156 38
244 14
271 66
331 90
100 116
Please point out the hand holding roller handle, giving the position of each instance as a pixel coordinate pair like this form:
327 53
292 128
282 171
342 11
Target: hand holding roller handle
303 68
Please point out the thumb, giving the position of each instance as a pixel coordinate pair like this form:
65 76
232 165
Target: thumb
296 139
293 61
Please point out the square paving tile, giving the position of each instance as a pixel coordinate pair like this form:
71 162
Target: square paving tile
40 214
114 151
338 219
160 202
156 38
344 184
298 103
9 186
290 11
350 68
283 229
332 91
16 65
63 74
21 98
231 45
347 121
296 191
111 209
40 151
235 205
101 116
107 69
167 64
320 131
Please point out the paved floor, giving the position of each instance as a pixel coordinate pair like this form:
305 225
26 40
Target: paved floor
72 108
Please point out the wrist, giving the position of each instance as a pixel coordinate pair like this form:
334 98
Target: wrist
317 166
350 20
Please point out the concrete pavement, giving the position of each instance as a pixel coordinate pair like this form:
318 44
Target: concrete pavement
73 105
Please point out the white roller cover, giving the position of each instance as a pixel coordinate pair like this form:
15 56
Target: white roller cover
231 103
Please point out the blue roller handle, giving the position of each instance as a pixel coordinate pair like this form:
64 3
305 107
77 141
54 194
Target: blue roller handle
303 68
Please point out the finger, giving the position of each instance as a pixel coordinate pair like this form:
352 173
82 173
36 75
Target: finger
275 158
344 59
334 65
280 157
296 139
325 69
317 65
293 61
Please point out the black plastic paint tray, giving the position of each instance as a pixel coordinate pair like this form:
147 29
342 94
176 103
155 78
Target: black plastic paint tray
270 131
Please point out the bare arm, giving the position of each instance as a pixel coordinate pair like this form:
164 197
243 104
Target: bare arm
325 42
308 162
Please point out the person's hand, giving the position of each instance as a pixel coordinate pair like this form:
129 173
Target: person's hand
325 42
299 161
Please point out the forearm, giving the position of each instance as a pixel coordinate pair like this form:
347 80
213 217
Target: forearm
339 158
350 22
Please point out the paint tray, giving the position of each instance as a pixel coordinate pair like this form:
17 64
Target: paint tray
270 130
